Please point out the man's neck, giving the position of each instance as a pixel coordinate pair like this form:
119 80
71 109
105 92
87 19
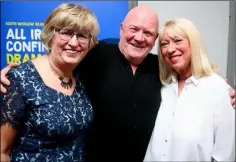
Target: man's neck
134 63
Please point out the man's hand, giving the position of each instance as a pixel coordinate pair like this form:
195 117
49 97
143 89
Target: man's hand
4 80
232 96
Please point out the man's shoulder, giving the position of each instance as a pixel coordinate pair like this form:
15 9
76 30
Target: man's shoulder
151 63
152 55
106 45
103 46
153 58
98 55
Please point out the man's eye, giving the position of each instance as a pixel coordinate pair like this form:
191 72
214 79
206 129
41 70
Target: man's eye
148 34
133 29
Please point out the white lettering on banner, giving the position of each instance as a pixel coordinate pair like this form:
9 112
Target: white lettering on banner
23 43
35 34
15 34
25 23
30 46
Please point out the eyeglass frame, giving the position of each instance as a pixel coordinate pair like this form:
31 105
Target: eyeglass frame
71 34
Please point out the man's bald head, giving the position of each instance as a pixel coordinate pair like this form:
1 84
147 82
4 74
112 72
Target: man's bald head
138 33
142 13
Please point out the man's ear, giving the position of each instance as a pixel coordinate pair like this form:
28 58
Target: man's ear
121 26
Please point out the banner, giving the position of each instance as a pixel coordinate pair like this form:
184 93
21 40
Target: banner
22 22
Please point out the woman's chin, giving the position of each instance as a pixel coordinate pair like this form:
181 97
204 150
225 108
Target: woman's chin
71 62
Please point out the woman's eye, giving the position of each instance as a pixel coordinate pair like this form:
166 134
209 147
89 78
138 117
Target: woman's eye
68 33
65 32
178 40
163 43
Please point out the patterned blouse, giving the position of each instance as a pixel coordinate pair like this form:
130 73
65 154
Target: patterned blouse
50 125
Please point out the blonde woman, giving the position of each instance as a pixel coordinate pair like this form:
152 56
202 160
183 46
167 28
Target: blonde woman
46 113
196 121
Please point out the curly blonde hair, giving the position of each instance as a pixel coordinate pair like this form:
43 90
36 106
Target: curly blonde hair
72 17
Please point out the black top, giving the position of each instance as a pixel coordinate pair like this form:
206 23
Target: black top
125 105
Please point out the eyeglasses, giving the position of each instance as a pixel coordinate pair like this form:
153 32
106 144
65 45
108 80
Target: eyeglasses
67 35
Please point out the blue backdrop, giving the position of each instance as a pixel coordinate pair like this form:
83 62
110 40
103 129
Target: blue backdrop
21 25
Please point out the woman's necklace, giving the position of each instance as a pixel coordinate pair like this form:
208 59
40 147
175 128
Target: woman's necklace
66 85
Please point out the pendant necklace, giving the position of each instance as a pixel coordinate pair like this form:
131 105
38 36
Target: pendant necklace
66 85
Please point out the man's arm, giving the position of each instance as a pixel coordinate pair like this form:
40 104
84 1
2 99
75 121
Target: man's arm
4 80
232 96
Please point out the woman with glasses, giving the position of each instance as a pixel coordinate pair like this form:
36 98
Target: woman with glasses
46 113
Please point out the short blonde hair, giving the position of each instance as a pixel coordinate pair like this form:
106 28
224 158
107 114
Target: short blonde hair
72 17
200 64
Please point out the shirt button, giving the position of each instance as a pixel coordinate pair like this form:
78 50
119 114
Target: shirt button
134 105
165 140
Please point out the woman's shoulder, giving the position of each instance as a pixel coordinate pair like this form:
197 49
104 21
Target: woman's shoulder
22 70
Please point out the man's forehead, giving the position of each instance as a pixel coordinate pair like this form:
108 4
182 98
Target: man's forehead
143 27
142 20
153 27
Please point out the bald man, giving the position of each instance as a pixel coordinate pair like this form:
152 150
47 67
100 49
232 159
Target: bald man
124 87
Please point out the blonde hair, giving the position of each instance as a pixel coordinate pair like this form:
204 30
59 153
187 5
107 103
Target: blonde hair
72 17
200 64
